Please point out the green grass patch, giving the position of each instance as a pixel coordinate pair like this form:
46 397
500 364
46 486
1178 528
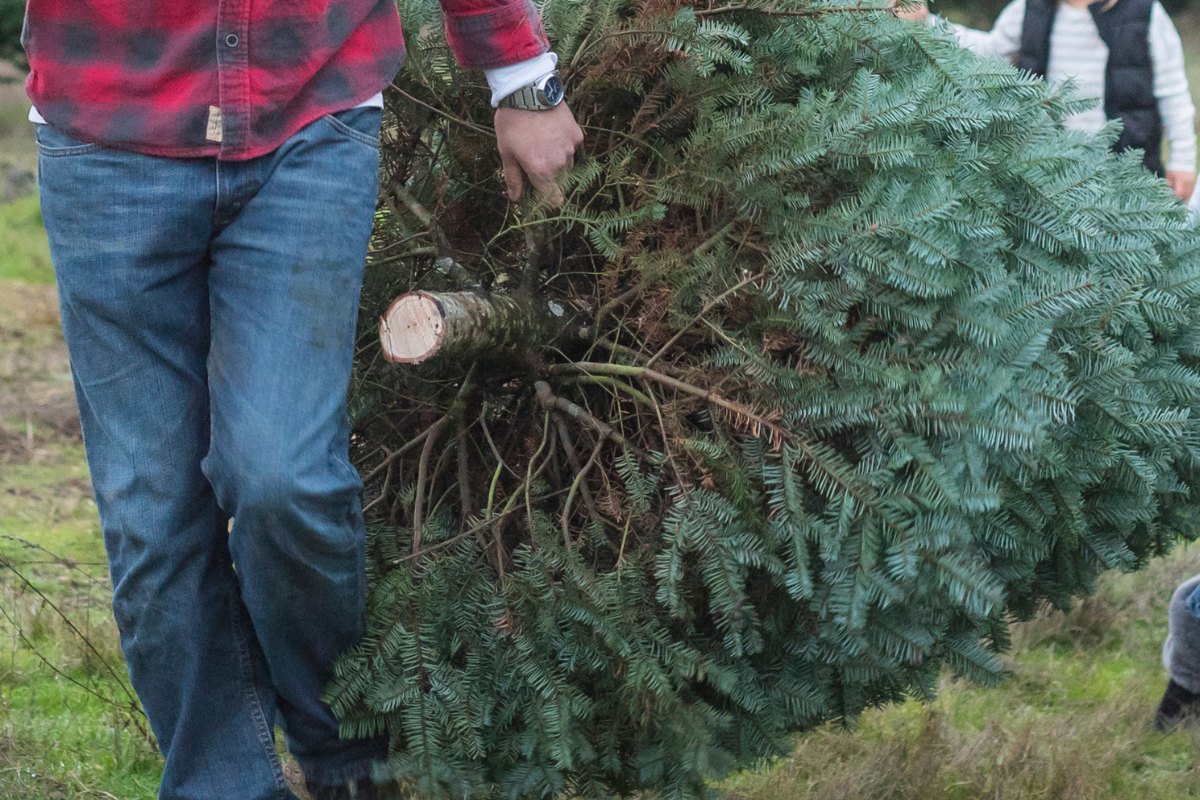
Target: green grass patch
24 255
69 723
50 502
1073 721
70 726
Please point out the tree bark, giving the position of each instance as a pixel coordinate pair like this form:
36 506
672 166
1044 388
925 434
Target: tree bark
419 326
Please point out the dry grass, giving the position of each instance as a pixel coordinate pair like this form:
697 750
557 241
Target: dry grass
1073 722
920 753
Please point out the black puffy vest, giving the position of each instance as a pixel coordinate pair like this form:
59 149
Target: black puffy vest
1128 77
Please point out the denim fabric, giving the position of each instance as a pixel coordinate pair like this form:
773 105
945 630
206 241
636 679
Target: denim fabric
1181 650
209 309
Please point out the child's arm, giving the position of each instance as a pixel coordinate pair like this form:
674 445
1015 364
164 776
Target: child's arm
1174 102
1002 41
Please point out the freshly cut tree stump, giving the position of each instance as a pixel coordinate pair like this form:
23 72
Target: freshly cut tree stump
470 325
420 325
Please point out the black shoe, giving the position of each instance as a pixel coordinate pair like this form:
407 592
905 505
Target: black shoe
1178 707
361 789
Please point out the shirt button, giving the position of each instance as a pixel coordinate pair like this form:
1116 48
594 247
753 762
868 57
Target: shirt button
231 40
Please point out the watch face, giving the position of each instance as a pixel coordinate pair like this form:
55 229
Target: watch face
553 90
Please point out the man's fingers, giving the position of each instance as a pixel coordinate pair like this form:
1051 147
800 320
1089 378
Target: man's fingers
544 170
543 177
514 178
542 146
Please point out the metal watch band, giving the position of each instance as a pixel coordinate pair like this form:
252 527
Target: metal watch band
530 97
524 98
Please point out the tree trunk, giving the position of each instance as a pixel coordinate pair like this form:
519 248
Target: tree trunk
419 326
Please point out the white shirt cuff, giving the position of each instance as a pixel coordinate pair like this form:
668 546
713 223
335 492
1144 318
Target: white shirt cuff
506 80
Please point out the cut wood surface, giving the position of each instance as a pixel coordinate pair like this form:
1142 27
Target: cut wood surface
413 328
421 325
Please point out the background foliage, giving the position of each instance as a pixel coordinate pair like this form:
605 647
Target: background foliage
12 17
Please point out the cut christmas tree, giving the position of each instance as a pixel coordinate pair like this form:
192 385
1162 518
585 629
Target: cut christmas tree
841 355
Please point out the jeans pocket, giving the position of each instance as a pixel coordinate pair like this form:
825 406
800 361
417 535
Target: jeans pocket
360 124
53 142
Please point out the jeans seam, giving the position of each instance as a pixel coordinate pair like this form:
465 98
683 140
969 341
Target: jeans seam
353 133
265 737
73 150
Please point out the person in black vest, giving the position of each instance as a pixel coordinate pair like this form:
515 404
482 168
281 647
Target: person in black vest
1124 53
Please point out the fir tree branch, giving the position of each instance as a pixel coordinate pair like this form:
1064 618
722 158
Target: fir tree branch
709 306
411 444
778 433
793 12
551 401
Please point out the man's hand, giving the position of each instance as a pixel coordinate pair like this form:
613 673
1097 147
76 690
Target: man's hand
912 11
1182 184
537 146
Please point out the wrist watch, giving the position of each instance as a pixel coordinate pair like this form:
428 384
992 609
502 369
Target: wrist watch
541 95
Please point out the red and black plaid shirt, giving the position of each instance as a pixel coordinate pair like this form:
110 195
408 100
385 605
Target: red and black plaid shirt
235 78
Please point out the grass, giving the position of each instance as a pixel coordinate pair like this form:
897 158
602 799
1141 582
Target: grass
1072 722
69 724
24 255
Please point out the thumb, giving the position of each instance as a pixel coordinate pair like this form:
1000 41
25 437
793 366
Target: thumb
514 178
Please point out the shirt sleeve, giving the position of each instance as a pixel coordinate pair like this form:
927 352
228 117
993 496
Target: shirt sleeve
1172 92
1002 41
486 34
503 81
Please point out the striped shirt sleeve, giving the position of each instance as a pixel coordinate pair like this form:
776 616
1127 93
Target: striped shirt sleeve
1171 89
1003 41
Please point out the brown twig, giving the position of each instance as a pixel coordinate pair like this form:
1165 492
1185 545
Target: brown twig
759 422
407 446
617 301
551 401
577 483
426 218
709 306
422 470
465 498
387 480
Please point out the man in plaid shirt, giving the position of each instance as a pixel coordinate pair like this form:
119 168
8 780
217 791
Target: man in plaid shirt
208 175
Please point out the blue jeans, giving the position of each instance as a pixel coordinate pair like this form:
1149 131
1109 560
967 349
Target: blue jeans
209 310
1181 650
